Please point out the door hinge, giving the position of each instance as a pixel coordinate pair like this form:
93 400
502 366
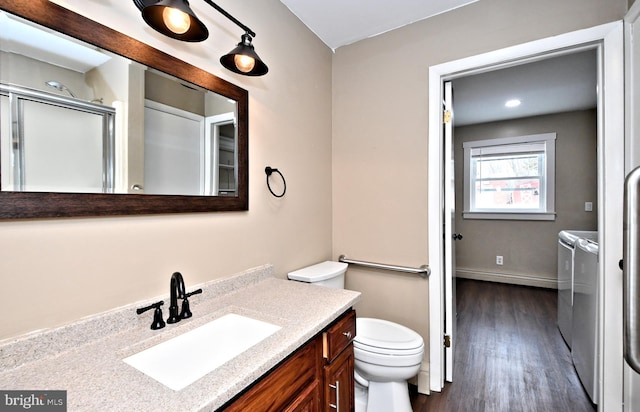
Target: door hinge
447 116
447 341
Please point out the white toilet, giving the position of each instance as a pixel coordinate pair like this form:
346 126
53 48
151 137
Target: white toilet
386 353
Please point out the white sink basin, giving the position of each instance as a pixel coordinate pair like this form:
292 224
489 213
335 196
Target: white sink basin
180 361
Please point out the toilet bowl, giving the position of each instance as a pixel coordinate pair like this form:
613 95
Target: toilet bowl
386 353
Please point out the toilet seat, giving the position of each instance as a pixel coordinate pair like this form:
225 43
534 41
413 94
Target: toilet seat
388 352
386 338
384 343
397 359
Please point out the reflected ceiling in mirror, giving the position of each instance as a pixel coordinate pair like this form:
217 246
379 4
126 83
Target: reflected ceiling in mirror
125 129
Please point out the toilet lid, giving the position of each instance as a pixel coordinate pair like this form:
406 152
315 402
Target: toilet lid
375 334
318 272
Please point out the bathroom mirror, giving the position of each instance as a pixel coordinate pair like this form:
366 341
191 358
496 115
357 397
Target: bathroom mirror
135 153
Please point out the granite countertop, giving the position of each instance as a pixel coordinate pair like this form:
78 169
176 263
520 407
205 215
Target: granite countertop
85 358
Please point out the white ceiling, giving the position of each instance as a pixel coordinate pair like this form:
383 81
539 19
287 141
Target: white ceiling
549 86
28 40
553 85
341 22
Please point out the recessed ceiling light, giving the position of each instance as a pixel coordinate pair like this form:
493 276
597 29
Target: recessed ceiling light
513 103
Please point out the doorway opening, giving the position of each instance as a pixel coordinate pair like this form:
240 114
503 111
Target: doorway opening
607 39
521 175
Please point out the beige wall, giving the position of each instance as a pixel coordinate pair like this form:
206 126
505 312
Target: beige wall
530 248
55 271
380 126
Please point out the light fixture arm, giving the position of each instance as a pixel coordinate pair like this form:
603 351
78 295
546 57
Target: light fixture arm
230 17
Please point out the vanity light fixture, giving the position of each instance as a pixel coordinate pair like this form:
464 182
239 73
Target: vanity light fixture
175 19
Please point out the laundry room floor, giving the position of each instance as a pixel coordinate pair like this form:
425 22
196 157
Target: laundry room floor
509 356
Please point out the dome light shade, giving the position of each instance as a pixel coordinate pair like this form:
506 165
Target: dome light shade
244 59
175 19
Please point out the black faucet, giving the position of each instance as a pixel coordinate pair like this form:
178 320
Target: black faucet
176 289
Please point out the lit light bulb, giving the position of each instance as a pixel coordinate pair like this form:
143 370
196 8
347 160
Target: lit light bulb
513 103
244 63
176 20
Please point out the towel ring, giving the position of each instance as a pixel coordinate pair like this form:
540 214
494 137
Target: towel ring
269 170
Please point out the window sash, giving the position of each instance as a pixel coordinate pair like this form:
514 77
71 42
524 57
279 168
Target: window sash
517 199
478 161
511 181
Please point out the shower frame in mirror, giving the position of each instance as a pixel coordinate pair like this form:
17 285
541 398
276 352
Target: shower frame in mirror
17 205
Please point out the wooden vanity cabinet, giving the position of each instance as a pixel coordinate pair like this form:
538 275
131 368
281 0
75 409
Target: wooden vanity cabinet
337 351
317 377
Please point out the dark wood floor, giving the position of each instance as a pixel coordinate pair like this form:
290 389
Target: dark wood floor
510 355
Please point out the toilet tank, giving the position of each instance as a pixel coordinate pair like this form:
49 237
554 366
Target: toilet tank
328 273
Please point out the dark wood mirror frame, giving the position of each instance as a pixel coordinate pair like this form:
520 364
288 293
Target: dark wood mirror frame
19 205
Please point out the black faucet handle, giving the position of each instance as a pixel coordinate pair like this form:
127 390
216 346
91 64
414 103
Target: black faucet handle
186 311
140 311
158 322
195 292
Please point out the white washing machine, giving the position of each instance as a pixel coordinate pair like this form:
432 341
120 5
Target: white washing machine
566 249
584 345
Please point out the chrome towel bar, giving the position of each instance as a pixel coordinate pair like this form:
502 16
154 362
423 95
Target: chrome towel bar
423 270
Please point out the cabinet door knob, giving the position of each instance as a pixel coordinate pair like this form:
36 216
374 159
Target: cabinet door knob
347 334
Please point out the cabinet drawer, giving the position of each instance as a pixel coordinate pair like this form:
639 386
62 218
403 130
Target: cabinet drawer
338 336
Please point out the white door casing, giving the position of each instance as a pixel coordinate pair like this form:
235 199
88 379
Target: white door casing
212 149
632 152
608 39
449 233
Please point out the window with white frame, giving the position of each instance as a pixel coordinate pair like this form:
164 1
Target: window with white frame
510 178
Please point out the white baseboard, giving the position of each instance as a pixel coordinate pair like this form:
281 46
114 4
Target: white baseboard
512 278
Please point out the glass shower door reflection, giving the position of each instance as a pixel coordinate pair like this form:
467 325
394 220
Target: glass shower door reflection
62 150
51 143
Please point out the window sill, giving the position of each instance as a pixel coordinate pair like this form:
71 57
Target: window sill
549 216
